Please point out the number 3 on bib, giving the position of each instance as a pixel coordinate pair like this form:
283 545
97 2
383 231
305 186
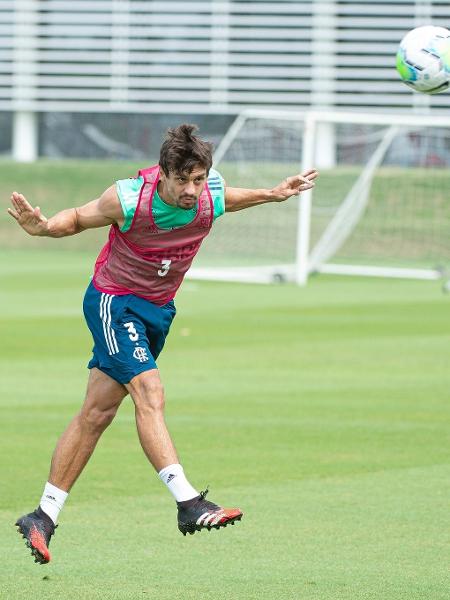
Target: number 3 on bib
165 266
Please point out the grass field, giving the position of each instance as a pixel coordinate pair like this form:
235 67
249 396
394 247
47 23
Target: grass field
323 412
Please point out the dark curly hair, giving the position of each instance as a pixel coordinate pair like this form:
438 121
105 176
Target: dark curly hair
182 151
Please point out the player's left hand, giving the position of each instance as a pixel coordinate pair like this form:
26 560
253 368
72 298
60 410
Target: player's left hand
294 185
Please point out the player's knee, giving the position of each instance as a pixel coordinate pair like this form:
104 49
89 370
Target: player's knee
97 420
148 393
153 396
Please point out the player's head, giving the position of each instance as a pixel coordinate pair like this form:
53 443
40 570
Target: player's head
185 161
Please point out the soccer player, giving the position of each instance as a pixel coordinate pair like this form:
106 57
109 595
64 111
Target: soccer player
157 223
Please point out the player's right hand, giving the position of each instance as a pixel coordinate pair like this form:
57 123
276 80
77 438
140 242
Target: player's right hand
29 218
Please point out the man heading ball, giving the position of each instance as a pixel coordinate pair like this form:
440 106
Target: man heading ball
157 222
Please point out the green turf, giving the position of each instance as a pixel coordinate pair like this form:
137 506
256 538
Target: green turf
323 412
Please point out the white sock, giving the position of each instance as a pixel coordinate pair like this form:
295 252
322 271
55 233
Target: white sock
175 479
52 501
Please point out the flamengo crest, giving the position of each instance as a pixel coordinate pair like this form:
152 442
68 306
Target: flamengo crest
140 354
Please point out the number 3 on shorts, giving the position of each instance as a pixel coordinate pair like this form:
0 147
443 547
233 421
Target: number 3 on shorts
132 333
165 266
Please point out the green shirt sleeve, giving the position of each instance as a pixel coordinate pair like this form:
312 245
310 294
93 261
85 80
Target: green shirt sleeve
128 191
216 185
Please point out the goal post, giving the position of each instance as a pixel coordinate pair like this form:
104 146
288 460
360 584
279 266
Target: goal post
395 218
381 206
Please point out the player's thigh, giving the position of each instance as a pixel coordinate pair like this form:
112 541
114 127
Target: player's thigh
103 394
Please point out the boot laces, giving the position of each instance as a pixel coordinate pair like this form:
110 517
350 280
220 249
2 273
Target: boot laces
210 506
203 494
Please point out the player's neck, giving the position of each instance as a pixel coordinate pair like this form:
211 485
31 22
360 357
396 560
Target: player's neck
163 193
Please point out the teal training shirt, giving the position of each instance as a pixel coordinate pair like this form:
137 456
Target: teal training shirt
165 215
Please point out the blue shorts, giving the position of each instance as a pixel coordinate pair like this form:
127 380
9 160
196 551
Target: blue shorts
129 332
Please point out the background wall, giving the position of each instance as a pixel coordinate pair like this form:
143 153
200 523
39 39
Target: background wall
205 58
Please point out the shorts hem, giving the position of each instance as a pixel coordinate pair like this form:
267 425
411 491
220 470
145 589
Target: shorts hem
125 378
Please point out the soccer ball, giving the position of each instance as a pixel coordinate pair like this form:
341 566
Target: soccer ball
423 59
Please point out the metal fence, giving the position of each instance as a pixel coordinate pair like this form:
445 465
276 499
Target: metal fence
207 56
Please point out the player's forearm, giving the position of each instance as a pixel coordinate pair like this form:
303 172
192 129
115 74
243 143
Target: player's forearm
63 224
240 198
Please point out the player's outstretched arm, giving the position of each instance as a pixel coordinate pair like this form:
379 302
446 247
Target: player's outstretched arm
99 213
240 198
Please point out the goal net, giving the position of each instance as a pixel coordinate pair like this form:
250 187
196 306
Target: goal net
381 205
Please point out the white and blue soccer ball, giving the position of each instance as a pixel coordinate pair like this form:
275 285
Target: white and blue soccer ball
423 59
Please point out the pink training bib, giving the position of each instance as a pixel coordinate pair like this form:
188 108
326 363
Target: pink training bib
147 261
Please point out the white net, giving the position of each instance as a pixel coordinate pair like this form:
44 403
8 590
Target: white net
261 155
384 203
405 221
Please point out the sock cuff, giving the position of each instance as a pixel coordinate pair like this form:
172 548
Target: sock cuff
165 474
175 479
57 493
52 501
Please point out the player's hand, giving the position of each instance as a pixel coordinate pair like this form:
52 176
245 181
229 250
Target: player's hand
292 186
29 218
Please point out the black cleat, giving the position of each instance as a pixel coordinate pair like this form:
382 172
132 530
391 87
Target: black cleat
37 528
198 513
